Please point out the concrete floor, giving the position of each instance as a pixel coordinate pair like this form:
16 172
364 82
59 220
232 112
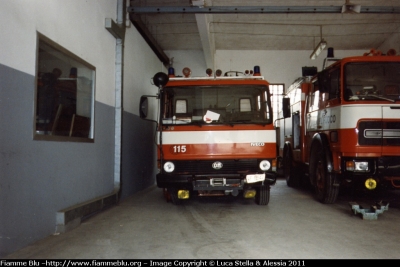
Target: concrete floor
292 226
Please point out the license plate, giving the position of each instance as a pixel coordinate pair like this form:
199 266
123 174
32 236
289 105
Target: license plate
253 178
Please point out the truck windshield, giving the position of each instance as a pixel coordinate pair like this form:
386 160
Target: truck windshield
216 105
370 81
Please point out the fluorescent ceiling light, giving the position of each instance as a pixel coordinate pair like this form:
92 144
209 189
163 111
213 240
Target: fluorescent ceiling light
318 49
199 3
350 8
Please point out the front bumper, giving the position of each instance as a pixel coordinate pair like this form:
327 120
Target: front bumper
211 182
384 170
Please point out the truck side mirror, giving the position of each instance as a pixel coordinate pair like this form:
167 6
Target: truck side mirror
286 107
143 107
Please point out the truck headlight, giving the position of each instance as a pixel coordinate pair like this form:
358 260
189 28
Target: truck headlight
169 166
265 165
357 166
361 166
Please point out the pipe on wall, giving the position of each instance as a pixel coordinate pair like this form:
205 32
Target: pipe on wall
121 10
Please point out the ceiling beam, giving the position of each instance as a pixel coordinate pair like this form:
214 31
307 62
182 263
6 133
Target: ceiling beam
207 39
142 29
258 9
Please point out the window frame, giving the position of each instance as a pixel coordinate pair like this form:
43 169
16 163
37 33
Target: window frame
71 56
277 92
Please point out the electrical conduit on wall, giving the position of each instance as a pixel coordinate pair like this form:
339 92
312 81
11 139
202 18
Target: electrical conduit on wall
121 10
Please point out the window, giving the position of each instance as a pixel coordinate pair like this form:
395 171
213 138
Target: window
64 95
245 105
329 84
277 91
181 106
313 99
372 81
219 104
334 84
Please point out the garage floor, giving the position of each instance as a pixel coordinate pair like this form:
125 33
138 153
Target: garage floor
292 226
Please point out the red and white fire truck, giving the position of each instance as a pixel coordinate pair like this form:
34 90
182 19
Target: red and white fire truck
342 126
215 135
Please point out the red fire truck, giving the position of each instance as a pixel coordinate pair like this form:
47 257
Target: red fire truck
215 135
342 126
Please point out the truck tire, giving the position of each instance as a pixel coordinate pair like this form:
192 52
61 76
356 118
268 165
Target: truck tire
322 180
262 195
173 192
166 194
292 179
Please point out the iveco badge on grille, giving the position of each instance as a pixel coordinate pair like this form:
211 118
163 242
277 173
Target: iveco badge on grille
217 165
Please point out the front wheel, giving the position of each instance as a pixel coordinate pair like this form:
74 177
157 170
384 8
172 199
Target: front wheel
262 195
173 192
321 179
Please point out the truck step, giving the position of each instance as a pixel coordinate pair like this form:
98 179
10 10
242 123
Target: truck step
371 213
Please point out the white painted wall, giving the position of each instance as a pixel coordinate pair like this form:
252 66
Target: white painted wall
139 69
39 178
393 42
21 19
193 59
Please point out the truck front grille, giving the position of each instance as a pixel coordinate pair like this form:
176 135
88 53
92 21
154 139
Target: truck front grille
379 133
199 167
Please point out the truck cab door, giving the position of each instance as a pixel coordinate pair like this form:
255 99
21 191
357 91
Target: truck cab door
390 130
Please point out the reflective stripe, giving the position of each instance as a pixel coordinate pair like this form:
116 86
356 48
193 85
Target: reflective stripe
218 137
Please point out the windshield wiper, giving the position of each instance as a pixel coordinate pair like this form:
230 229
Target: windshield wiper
197 123
382 97
233 123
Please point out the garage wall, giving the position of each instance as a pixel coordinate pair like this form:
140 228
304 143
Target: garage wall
39 178
393 42
138 147
193 59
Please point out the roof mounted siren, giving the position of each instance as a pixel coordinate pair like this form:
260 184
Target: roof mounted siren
171 70
257 71
186 72
248 72
330 53
329 58
374 52
391 52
